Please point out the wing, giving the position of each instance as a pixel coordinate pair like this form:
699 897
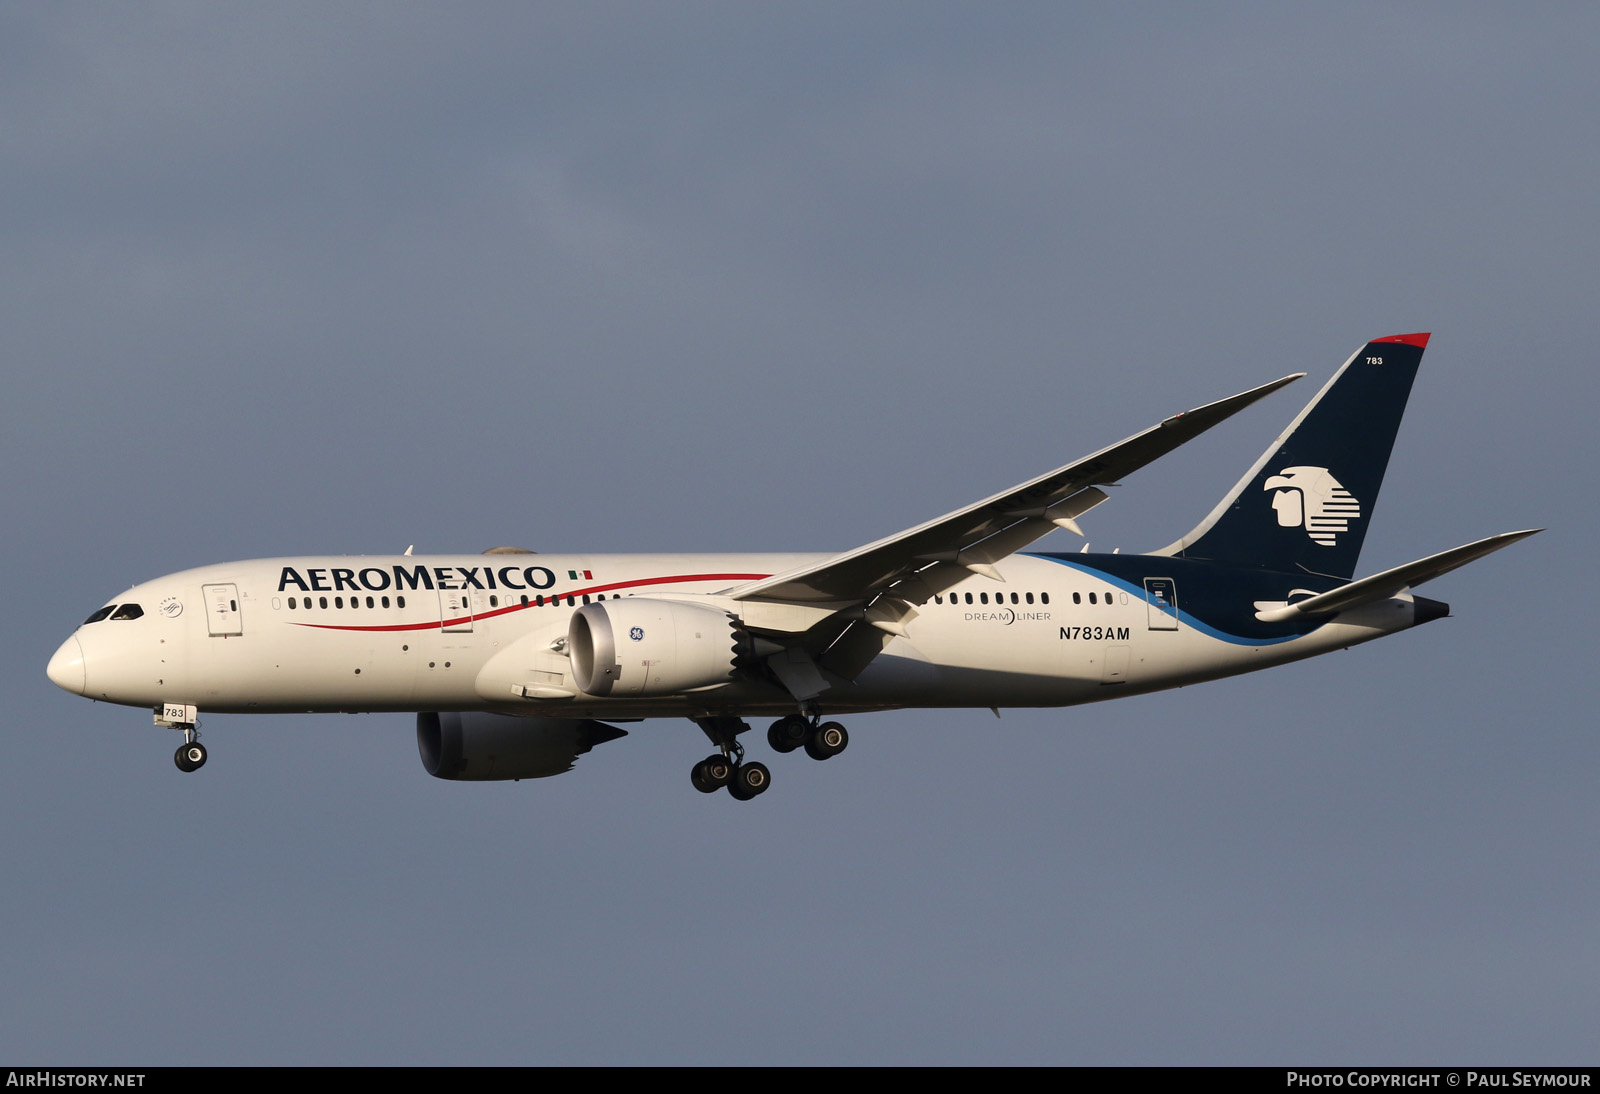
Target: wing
972 539
888 578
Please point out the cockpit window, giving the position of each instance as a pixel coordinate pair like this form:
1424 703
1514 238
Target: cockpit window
128 611
99 615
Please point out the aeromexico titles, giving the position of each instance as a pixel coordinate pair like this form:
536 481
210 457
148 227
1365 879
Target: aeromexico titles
518 663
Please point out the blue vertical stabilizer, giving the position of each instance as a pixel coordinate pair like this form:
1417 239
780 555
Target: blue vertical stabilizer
1306 503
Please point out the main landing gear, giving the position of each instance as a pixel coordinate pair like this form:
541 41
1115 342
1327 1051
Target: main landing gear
745 780
821 741
728 767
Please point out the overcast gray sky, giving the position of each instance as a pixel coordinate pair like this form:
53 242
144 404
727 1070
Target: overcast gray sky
301 278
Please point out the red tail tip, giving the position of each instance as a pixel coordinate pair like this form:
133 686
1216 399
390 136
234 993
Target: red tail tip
1419 340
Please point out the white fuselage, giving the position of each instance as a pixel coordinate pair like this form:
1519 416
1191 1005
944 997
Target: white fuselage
484 632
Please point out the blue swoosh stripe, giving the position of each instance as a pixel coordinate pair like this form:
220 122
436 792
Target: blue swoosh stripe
1183 616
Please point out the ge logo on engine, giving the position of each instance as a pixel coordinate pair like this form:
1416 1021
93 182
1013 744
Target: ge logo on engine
636 633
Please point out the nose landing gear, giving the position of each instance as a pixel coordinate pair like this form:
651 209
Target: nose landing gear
191 755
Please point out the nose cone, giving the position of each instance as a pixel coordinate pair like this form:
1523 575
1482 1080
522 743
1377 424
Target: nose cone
66 667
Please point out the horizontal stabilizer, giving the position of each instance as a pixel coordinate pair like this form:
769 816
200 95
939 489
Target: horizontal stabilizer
1384 585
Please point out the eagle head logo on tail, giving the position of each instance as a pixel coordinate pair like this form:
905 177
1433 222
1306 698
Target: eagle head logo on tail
1311 498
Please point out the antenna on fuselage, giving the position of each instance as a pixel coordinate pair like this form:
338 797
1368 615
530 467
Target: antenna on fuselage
409 549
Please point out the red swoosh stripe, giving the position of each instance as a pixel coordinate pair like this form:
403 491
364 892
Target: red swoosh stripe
442 623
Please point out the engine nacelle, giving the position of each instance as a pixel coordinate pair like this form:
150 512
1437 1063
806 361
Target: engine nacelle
642 646
478 746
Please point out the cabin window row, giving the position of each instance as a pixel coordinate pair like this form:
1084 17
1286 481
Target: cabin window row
305 602
539 601
999 598
338 602
1023 598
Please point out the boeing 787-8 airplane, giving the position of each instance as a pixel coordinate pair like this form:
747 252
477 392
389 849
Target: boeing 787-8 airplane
517 663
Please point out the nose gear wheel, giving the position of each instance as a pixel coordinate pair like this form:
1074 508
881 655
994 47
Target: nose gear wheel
190 756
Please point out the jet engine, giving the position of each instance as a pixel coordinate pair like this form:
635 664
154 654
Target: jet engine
651 647
477 747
